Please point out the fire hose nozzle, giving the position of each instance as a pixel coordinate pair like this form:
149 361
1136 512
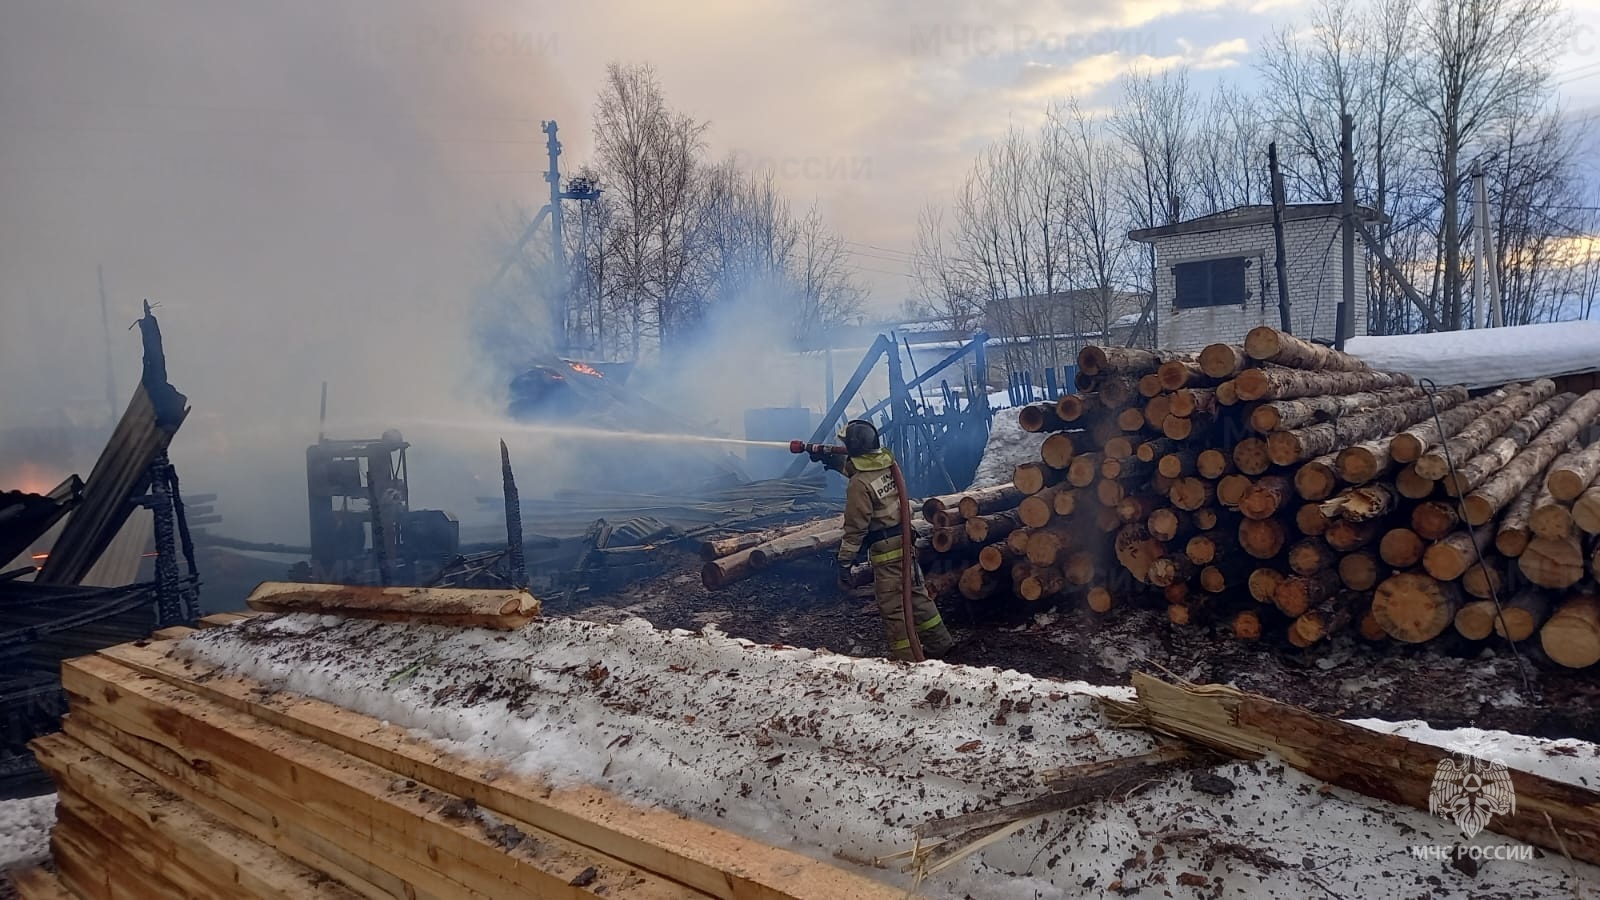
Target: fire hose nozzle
817 450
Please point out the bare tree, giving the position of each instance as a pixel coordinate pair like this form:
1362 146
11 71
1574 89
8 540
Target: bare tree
1155 123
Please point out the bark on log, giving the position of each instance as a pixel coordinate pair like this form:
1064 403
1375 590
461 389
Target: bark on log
1076 407
1251 457
1317 479
1521 616
1268 344
719 573
1125 468
1553 562
1038 510
1223 360
996 558
1504 448
1348 536
1571 637
1297 594
1586 511
1493 495
1413 607
1310 521
993 527
1136 550
949 540
1550 518
1153 450
1402 548
1178 428
1263 538
1266 497
1049 546
1037 417
716 548
1362 504
1046 581
1190 494
1363 462
1190 402
1280 415
1410 444
977 584
1033 477
1360 571
1513 535
1569 479
1291 384
1470 441
1411 485
1181 373
1098 360
1450 558
1213 463
1178 464
465 607
1136 507
1263 583
1117 391
1058 450
1322 621
1309 556
989 500
1288 447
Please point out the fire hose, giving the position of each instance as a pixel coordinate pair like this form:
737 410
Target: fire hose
908 557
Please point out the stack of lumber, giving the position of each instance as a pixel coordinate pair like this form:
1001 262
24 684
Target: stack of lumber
171 784
1283 487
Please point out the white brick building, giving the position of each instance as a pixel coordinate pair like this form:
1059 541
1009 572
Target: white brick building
1216 277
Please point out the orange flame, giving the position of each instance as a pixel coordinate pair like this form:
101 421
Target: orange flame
40 556
585 369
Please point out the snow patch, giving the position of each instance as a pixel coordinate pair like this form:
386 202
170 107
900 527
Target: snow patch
25 830
1008 447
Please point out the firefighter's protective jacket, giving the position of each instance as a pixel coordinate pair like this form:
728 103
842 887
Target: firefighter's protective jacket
871 504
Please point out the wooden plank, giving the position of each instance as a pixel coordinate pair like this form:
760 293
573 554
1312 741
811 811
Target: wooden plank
172 633
95 867
112 799
467 607
224 619
431 829
702 856
1385 766
38 884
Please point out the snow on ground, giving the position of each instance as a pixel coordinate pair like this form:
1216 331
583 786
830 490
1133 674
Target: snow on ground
839 757
25 830
1567 759
1008 446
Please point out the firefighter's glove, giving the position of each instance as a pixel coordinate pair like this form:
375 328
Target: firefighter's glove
842 578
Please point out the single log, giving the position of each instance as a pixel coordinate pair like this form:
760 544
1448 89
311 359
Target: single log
1310 521
949 518
1210 547
1310 556
1058 450
1227 394
1346 536
1471 440
1232 489
1450 557
1192 493
1132 419
1251 456
1485 581
1037 417
1550 518
1136 550
1177 465
1167 524
716 548
1297 594
1363 462
1120 447
1410 444
1475 620
1290 384
1321 622
1268 344
1100 599
1413 486
1155 411
467 607
1125 468
1262 538
1224 577
1413 607
1263 583
1493 495
996 558
1266 497
1153 450
1106 519
1066 503
1193 401
1084 470
1118 391
1513 535
1553 562
1049 546
1363 503
1149 385
1097 360
1360 571
1568 479
1177 593
1522 615
1503 449
1136 507
1046 581
1370 628
1081 567
1433 519
1247 625
1171 570
1109 493
1223 360
1039 509
1180 614
1076 407
993 527
1178 428
1289 447
1206 518
1586 511
1017 541
950 540
990 500
1031 478
1213 463
1571 637
1281 415
1401 548
977 583
1317 479
1181 373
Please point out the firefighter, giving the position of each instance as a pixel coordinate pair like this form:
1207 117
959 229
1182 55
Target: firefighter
872 520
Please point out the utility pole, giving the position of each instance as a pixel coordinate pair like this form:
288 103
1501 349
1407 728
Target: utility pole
1485 283
1344 327
105 326
1277 237
558 248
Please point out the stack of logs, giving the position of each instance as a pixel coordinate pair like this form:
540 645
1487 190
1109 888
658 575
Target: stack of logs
1282 485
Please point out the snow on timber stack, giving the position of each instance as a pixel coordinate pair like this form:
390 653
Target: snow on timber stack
1280 486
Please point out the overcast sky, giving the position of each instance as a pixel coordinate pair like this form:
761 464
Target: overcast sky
308 187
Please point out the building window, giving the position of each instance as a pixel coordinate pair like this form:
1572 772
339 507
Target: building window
1210 282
